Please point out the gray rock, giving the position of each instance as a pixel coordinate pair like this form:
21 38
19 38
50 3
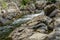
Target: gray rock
40 4
28 8
55 13
49 9
21 33
38 36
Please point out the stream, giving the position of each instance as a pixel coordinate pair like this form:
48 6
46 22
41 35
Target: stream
5 30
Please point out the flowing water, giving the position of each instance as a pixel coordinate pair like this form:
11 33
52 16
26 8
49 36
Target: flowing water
5 30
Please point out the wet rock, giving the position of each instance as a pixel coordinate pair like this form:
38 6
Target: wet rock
49 9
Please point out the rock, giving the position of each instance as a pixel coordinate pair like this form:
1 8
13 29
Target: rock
5 21
27 34
49 9
7 16
33 23
57 21
38 36
40 4
29 8
21 33
39 19
51 35
43 19
32 29
58 15
57 33
58 4
41 22
55 13
42 28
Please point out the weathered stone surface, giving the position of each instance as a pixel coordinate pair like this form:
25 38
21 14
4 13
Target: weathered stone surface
49 9
27 34
51 36
38 36
55 13
57 21
21 33
8 15
40 4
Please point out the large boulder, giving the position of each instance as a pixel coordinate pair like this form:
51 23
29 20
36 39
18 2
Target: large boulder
49 9
24 33
55 13
38 36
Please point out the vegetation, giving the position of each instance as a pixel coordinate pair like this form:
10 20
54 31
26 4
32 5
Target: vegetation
53 1
24 2
3 3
